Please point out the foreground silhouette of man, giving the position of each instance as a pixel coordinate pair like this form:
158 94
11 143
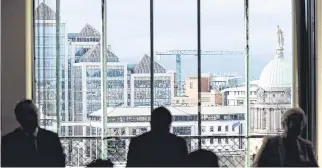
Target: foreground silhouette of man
289 149
158 147
29 145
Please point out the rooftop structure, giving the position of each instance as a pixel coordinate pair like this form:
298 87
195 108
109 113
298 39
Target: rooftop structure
94 55
88 31
146 111
144 66
44 12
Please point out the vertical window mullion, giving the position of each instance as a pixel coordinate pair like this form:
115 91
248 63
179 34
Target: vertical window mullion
103 79
58 99
247 87
152 55
43 69
199 71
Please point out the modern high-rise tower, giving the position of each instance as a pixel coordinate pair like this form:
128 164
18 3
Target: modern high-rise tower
50 66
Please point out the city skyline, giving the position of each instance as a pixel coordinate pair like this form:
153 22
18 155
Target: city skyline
88 100
175 28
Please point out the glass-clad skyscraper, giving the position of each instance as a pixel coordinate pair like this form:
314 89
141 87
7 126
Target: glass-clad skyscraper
87 78
48 57
140 84
78 44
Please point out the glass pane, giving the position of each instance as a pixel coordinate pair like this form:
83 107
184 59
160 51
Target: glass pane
128 36
50 42
66 63
270 67
84 76
174 31
223 91
176 83
128 78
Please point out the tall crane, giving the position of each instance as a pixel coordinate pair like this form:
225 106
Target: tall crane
179 53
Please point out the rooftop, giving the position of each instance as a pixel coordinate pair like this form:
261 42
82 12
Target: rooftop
44 12
94 55
88 31
71 35
144 66
240 88
145 111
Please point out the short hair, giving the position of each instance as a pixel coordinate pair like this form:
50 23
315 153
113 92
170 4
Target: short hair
101 163
203 158
161 113
22 104
294 111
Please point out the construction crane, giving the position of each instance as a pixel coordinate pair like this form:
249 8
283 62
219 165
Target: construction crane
179 53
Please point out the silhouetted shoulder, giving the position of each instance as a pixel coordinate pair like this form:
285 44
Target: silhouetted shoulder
12 135
7 137
141 137
272 139
177 138
48 133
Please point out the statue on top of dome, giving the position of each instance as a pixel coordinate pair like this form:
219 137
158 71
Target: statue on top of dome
280 37
280 40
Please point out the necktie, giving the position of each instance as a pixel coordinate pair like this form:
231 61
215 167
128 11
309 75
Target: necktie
32 144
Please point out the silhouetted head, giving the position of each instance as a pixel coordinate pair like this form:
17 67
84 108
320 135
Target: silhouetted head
101 163
293 122
161 120
202 158
26 115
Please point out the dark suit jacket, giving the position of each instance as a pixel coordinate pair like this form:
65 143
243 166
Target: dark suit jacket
152 150
14 150
272 153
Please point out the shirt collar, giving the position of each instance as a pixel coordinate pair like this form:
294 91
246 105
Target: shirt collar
34 134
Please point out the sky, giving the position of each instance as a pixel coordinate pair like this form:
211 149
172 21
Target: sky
175 27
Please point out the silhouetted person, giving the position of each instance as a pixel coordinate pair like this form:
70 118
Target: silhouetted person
288 150
29 145
101 163
202 158
158 147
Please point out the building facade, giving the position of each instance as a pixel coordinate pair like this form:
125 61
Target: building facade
140 82
78 45
50 63
270 96
226 80
87 86
273 93
124 122
141 92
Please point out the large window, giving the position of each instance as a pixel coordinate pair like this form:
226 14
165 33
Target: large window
93 72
